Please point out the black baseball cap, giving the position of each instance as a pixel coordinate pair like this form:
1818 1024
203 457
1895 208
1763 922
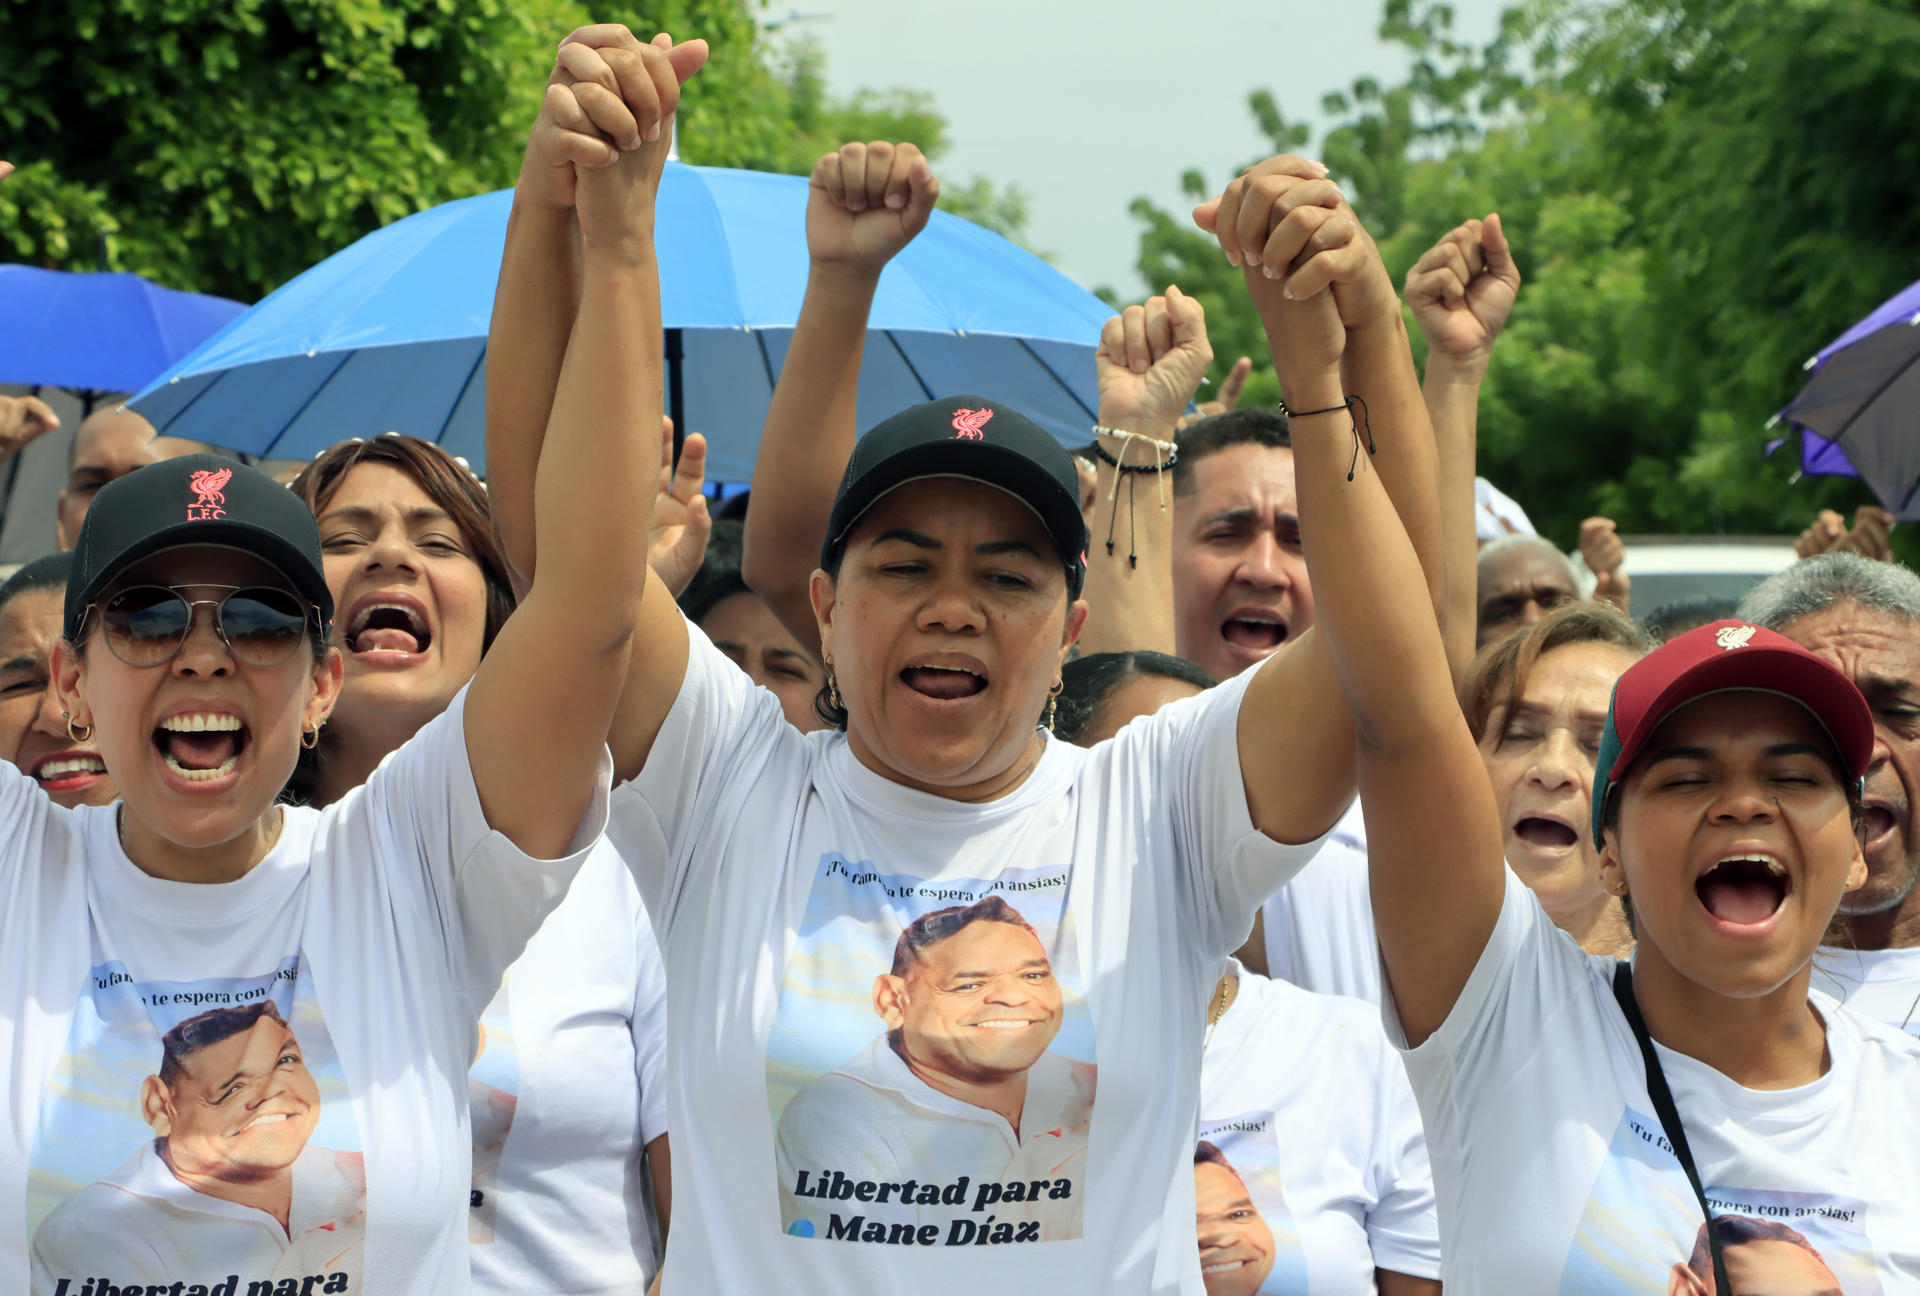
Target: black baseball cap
974 438
195 500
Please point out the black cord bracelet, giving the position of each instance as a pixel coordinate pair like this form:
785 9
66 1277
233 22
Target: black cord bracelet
1173 457
1365 421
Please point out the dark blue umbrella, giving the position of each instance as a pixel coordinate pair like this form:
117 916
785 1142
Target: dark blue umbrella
1860 411
390 333
98 333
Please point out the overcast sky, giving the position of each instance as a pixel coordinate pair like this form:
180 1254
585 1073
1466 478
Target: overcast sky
1087 104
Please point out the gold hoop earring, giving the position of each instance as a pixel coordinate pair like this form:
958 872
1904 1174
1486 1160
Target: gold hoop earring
74 737
1053 702
310 738
833 692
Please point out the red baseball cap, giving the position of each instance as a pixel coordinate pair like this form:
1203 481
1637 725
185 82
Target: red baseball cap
1717 658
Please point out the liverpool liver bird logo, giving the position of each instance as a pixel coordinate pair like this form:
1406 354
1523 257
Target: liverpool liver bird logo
209 487
968 422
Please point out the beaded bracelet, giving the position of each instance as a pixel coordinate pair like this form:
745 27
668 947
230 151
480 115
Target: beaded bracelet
1171 453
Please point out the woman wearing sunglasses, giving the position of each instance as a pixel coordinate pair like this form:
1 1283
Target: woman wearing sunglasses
1586 1115
235 1036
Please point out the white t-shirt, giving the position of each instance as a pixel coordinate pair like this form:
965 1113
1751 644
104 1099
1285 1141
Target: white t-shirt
322 1010
1319 927
1552 1171
568 1090
1307 1101
1881 985
1090 910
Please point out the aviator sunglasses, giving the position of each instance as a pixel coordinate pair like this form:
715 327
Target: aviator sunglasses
148 624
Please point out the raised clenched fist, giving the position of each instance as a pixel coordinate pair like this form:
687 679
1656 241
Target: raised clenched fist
23 419
1462 290
867 201
1150 361
1871 536
1603 552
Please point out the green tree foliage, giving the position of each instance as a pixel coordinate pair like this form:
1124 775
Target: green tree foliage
1700 194
226 145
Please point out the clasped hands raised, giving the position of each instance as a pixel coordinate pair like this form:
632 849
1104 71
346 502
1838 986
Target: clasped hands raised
600 143
1313 272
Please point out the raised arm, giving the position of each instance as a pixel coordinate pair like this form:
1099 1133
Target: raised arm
1296 738
539 289
864 203
1150 362
559 666
1461 291
1433 837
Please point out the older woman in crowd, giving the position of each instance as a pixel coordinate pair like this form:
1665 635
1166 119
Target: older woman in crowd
1535 703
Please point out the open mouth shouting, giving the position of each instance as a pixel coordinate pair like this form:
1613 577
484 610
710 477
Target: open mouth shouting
69 771
945 677
1880 828
201 747
1254 631
1546 833
1745 891
387 628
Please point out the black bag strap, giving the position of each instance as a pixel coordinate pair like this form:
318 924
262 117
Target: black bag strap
1669 1114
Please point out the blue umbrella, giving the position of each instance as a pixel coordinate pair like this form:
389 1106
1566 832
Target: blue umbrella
390 333
97 333
1860 411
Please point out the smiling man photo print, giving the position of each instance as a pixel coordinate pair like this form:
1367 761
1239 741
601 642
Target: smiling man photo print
961 1084
229 1184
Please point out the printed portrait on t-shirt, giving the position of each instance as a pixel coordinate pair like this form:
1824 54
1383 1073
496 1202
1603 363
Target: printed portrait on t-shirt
493 1088
1641 1231
1248 1243
930 1070
1762 1258
197 1137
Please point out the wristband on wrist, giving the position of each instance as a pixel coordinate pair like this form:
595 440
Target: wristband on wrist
1171 456
1363 421
1168 449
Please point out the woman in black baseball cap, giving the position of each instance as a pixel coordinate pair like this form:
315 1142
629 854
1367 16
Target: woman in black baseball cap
197 655
1583 1113
899 951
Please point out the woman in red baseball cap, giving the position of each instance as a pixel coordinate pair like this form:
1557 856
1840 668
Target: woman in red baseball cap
235 1035
1583 1114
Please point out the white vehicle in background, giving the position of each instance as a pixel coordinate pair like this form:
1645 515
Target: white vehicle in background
1667 568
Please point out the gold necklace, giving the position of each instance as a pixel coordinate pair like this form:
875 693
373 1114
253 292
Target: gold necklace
1216 1011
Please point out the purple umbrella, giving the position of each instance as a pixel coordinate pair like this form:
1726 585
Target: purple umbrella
1860 411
